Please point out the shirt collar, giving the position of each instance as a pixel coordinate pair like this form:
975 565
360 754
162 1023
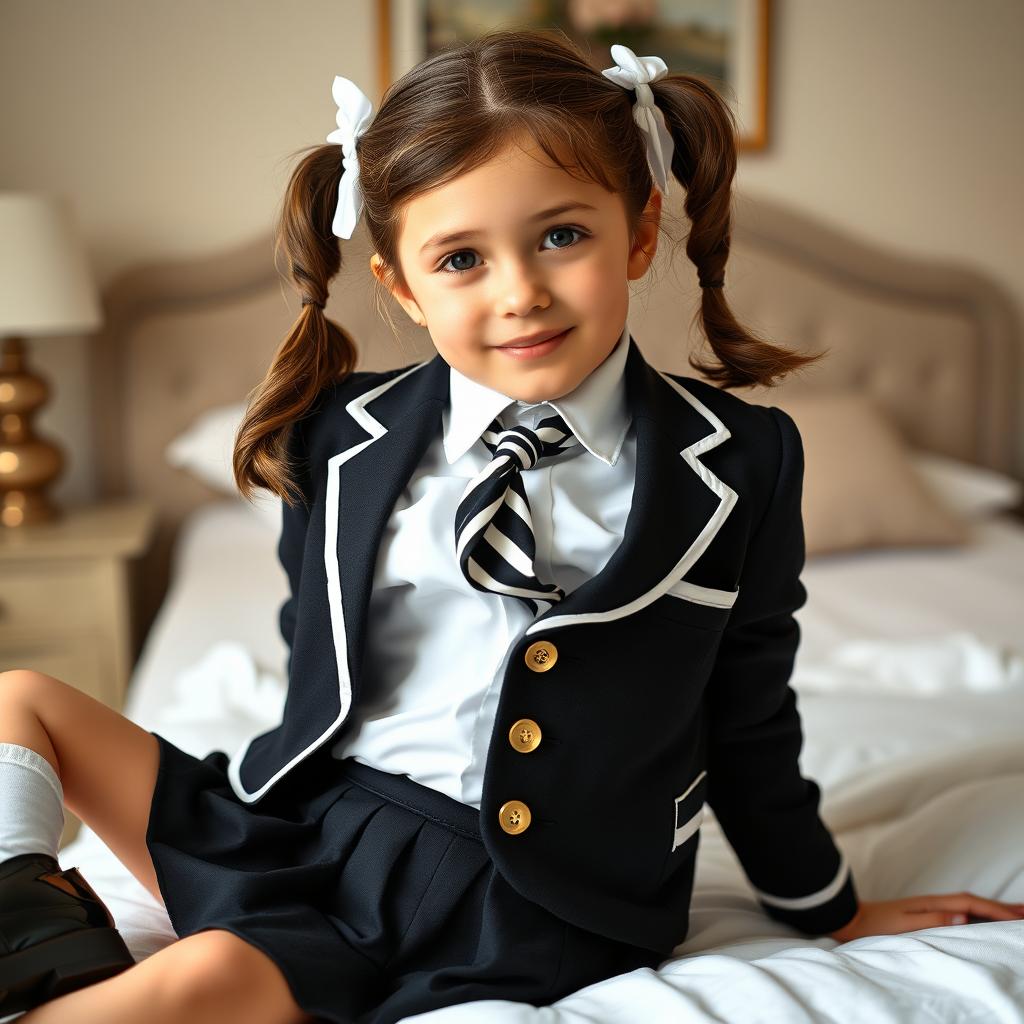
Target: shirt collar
595 411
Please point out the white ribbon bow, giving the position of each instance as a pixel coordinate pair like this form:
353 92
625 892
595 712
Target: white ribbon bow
354 110
633 72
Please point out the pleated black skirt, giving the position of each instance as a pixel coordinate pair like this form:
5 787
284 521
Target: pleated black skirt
372 893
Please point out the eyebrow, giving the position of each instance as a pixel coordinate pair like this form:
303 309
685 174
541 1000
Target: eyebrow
446 238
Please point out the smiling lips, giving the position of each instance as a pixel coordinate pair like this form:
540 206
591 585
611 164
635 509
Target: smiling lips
533 348
533 339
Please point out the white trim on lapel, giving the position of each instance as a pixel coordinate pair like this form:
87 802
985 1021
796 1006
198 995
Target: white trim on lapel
728 498
356 409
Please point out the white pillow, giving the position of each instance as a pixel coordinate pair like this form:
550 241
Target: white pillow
204 449
973 491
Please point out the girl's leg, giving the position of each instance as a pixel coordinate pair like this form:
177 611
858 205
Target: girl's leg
107 764
211 977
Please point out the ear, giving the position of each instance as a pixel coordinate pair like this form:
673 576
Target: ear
401 293
646 243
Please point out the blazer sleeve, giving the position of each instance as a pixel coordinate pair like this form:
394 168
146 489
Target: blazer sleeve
767 810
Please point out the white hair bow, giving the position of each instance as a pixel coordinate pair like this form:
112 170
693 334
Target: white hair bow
633 72
354 109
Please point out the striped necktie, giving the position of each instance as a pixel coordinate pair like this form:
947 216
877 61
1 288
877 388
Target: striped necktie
494 538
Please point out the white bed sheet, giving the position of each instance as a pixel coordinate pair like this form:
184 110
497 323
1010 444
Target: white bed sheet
923 791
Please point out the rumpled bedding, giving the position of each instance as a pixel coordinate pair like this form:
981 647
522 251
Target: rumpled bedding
914 737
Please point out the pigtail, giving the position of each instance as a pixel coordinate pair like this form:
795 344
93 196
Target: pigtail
703 130
316 352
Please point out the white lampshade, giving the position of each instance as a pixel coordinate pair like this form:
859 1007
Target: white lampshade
46 286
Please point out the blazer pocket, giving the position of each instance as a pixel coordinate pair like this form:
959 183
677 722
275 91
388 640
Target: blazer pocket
703 595
688 812
691 605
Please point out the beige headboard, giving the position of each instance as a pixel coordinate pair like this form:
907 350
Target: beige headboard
934 344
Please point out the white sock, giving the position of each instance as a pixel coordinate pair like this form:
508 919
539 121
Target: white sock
31 803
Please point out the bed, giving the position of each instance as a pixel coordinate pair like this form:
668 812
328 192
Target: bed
910 674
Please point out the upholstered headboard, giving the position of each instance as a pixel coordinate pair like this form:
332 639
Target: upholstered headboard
934 344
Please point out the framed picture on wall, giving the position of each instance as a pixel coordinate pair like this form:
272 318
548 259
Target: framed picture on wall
724 42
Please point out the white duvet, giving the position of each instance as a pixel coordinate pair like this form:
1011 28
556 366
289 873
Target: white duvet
915 740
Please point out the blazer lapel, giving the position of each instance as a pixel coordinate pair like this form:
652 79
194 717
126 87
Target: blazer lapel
402 416
678 503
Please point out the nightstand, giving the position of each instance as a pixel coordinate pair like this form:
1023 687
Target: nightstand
66 599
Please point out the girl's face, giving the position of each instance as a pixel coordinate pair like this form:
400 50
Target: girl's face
537 252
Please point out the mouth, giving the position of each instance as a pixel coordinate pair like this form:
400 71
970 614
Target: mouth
532 339
541 345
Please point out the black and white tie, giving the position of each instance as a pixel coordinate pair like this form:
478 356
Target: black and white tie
494 538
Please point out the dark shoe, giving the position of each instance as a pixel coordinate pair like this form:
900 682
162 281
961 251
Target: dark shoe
56 934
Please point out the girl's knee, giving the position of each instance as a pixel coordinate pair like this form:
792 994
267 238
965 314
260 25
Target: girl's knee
23 693
28 688
22 680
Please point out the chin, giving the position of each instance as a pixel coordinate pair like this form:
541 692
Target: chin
546 395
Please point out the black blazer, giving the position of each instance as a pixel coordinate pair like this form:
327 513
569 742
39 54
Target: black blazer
671 682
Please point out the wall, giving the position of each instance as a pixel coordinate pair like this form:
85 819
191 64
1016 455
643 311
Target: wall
172 127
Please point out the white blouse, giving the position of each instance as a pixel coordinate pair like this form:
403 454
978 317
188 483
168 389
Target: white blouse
437 648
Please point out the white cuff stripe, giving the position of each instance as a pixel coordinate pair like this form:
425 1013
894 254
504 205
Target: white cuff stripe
816 898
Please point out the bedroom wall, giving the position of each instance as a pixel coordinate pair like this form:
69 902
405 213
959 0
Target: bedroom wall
171 129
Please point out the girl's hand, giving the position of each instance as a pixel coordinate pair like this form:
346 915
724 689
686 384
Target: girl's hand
887 917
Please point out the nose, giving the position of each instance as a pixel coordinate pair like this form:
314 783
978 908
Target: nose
521 289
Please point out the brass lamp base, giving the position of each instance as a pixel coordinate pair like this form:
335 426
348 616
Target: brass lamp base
28 464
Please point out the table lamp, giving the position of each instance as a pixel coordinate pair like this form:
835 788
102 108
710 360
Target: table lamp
46 289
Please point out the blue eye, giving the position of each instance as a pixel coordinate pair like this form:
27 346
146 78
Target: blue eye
461 252
454 256
563 227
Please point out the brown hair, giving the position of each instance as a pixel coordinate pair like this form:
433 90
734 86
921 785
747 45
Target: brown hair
448 115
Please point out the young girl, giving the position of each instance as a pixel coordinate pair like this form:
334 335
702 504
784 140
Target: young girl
541 602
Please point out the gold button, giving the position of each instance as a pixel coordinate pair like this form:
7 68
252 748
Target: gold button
525 735
541 656
514 817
